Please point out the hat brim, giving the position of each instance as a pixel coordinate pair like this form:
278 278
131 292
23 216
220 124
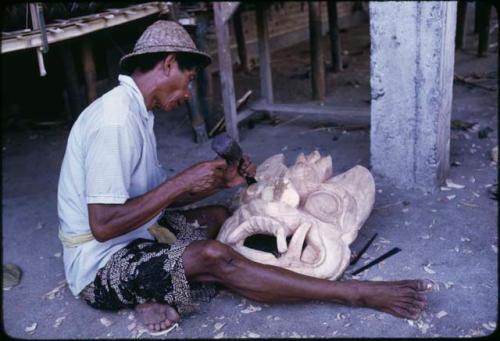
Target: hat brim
203 59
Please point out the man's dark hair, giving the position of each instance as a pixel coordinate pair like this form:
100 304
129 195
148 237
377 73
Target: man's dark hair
146 62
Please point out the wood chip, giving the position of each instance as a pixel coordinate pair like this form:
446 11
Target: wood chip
218 326
451 197
31 329
253 335
219 336
105 321
491 326
251 309
494 248
468 204
451 184
56 292
441 314
59 321
428 269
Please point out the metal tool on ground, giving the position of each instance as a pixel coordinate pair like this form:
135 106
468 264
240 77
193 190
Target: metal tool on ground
228 149
386 255
363 250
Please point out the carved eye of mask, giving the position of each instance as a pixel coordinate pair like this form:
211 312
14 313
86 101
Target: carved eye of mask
324 206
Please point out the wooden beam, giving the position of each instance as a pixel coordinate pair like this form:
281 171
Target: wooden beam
68 29
348 114
266 82
316 52
225 70
334 36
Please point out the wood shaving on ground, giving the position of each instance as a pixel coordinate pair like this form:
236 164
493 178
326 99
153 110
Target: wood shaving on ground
59 321
451 197
31 329
441 314
295 335
57 254
56 292
39 226
490 326
253 335
428 269
468 204
251 309
105 321
451 184
219 336
218 326
494 248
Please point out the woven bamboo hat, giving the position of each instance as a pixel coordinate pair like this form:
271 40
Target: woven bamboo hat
166 36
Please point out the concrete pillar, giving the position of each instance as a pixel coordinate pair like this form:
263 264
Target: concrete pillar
412 58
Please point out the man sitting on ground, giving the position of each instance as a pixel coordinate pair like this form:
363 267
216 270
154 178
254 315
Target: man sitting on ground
112 189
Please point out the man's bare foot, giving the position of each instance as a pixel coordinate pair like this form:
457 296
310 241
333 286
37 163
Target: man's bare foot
401 298
156 316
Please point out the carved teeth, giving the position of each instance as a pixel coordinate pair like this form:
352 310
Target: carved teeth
281 240
295 249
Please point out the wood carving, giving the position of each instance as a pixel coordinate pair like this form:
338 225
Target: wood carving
320 212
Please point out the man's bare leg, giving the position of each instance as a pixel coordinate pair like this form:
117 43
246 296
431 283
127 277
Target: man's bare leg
212 216
212 261
160 316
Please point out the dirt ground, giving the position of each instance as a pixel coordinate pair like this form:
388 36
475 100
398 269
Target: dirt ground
447 236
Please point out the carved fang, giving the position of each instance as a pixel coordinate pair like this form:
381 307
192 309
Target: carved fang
281 240
295 249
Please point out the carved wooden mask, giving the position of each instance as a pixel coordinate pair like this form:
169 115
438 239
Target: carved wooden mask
319 213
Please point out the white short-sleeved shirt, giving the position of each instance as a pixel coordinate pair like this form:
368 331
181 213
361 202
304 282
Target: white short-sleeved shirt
110 157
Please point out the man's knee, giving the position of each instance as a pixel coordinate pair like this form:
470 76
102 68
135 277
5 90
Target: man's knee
216 253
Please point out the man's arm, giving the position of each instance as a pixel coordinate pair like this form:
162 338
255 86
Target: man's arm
108 221
233 177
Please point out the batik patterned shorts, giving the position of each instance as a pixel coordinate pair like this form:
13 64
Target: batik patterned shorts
147 271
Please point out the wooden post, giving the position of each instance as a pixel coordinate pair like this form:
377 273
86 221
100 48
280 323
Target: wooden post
71 80
476 17
334 36
240 39
461 24
197 120
204 76
316 48
266 81
225 70
484 27
89 69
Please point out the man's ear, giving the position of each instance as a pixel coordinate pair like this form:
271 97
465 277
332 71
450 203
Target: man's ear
168 63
